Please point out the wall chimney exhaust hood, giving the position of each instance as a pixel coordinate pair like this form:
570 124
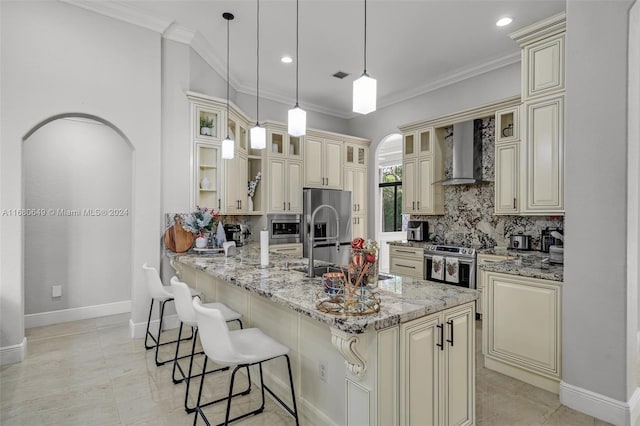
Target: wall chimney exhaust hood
467 154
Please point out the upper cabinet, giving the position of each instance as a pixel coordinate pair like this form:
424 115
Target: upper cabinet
323 162
284 171
540 167
355 155
423 166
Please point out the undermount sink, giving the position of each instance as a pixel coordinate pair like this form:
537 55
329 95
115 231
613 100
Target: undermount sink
318 270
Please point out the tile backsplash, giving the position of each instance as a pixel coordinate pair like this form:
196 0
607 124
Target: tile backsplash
469 220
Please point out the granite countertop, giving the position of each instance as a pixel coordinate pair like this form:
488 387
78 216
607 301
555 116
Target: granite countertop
405 243
402 298
527 266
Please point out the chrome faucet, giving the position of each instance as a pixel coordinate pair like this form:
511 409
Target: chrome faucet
312 236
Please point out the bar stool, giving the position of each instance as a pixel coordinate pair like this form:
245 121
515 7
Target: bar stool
187 315
240 349
162 294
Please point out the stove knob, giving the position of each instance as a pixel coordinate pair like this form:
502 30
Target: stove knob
463 251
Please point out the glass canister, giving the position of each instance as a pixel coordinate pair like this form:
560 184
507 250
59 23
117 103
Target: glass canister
363 267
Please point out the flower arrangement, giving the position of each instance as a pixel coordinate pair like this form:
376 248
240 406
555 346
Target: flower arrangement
251 187
200 221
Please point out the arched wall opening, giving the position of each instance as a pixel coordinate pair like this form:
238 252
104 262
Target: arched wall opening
78 251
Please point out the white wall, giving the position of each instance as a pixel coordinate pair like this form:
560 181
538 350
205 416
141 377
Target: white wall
595 333
69 166
57 59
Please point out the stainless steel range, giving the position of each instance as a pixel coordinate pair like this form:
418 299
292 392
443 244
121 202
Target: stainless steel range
450 265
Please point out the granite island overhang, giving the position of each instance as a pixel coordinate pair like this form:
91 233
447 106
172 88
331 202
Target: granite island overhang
281 297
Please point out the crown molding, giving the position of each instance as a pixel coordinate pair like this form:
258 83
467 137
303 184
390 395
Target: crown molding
179 33
553 25
124 12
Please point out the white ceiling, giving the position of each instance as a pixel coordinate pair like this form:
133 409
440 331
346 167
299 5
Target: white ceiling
413 46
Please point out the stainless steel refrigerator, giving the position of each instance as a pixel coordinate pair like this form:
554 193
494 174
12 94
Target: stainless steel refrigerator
324 246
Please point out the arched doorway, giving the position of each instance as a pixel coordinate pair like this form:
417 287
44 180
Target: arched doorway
77 238
388 195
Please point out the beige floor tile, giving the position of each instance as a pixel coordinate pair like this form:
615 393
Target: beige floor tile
565 416
62 329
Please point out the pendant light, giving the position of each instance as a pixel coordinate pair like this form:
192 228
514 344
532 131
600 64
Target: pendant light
228 143
364 88
258 133
297 116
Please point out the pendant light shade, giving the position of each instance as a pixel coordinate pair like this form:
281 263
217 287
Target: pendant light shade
257 133
297 121
365 88
297 116
364 94
228 145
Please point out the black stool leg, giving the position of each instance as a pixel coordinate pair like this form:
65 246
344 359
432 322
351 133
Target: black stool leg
146 337
198 409
160 331
175 359
293 393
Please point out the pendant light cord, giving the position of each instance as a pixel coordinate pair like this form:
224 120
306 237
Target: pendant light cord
297 46
258 63
365 36
228 20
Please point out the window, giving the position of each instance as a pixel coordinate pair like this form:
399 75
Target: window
391 196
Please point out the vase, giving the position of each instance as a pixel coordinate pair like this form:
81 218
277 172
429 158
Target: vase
204 183
249 204
201 241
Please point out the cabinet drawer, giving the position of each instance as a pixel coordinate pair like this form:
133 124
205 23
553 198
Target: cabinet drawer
416 252
407 267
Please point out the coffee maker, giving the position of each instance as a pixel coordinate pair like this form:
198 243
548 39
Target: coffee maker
418 231
237 233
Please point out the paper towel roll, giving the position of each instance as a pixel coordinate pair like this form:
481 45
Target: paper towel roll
264 248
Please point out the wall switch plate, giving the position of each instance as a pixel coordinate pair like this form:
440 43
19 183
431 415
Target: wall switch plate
56 291
323 371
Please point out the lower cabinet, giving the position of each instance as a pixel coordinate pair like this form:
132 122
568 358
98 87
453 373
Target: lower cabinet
522 329
483 259
437 368
292 249
407 261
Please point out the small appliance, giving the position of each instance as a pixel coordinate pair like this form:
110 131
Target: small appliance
520 242
547 240
236 233
284 228
418 231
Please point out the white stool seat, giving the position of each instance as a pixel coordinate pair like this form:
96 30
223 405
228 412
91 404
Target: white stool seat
169 290
252 346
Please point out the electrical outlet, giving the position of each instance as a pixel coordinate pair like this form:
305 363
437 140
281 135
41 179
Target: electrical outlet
323 371
56 291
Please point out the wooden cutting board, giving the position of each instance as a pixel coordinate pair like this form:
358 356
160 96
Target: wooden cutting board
178 239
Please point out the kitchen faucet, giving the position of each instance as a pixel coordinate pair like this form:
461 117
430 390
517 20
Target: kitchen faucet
312 234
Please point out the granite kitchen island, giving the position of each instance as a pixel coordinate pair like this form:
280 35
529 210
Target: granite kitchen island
410 363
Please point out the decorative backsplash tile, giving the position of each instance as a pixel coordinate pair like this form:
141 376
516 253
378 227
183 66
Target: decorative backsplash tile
469 219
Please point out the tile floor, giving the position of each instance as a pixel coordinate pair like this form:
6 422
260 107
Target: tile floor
91 373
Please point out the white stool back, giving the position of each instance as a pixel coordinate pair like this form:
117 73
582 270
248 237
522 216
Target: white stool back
154 284
214 335
182 298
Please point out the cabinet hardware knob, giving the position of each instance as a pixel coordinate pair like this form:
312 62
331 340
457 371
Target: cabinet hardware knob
418 205
450 322
284 206
218 203
441 344
514 203
289 205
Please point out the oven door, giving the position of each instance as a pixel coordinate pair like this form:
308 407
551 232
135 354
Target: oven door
466 270
284 229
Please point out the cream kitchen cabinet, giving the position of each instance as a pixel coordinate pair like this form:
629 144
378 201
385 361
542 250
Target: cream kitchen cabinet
483 259
522 328
322 163
544 156
207 175
280 143
291 249
359 226
407 261
285 186
507 178
235 184
355 155
437 368
423 164
507 125
355 181
544 71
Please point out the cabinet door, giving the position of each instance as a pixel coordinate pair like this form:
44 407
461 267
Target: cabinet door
419 372
507 125
313 157
359 228
360 191
294 187
544 156
409 176
523 322
277 196
425 141
408 145
207 176
506 181
240 176
459 366
355 155
349 182
332 160
544 67
424 183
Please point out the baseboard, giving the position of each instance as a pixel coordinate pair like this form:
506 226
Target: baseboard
75 314
137 330
14 353
621 413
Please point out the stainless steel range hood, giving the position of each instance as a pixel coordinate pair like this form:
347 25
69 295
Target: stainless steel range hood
467 154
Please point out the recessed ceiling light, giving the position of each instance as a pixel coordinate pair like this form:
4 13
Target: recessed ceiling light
286 59
503 21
